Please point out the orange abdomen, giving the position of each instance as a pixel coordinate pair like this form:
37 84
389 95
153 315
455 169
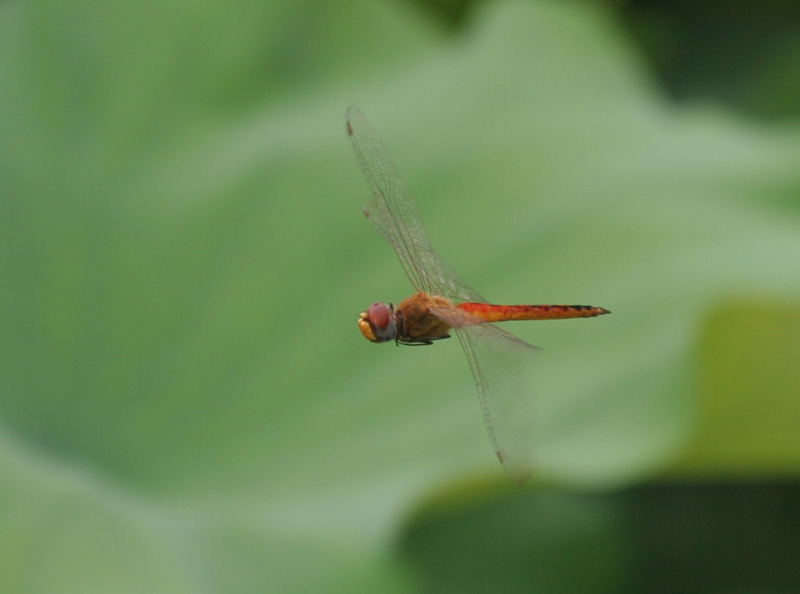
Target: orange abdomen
503 313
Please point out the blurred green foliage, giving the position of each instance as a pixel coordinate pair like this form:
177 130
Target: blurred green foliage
185 402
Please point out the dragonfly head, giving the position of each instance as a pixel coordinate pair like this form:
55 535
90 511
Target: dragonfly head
377 323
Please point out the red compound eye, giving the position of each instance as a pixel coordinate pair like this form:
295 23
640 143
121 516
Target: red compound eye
379 314
377 323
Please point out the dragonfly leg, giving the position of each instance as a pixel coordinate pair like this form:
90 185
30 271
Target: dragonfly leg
421 341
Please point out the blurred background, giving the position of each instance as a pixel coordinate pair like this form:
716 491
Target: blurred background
185 402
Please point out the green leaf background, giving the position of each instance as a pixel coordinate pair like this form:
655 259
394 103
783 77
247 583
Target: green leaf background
185 402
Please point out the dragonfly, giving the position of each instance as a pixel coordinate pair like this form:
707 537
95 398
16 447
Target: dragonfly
443 302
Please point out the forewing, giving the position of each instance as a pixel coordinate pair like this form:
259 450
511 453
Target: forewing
394 214
501 365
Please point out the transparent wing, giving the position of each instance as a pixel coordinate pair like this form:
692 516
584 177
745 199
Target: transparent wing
500 364
393 213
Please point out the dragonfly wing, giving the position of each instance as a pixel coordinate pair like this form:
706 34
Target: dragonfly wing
500 363
394 214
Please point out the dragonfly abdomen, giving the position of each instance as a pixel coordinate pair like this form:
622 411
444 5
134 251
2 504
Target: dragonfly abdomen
503 313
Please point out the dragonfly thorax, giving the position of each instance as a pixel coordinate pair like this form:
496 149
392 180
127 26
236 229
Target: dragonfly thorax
377 323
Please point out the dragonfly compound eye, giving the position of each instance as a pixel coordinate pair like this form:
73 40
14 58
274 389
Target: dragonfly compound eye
377 323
